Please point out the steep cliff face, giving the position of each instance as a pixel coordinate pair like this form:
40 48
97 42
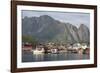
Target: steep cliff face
47 29
84 34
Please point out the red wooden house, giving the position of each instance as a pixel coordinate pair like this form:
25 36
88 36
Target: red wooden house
27 47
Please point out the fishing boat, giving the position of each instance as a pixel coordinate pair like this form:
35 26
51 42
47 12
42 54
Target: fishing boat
39 50
54 51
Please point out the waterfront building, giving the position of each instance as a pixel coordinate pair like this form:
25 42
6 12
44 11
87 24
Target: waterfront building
87 51
27 47
80 51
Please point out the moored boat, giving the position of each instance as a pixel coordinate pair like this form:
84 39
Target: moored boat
54 51
39 50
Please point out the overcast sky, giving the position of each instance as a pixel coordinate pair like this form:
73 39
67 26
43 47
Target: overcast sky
74 18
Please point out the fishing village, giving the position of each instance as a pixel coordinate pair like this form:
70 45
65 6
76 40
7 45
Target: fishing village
53 48
45 38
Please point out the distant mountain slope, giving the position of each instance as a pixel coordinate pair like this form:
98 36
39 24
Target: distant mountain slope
47 29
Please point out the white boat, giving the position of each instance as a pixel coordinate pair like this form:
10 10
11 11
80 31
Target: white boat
38 51
54 51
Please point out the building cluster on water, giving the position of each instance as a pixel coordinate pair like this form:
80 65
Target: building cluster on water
57 48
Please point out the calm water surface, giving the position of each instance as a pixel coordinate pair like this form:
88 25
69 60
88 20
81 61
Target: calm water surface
29 57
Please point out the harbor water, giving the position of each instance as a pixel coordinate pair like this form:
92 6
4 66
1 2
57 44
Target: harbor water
30 57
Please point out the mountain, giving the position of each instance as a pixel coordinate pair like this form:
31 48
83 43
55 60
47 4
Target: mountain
47 29
84 33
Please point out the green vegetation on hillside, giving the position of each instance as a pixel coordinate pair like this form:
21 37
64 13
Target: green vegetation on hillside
29 39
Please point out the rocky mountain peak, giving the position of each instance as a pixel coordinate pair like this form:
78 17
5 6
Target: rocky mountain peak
46 29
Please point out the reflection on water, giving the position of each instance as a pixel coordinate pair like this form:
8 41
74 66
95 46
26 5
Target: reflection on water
29 57
39 57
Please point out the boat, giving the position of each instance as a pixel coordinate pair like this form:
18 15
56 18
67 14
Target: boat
54 51
38 51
